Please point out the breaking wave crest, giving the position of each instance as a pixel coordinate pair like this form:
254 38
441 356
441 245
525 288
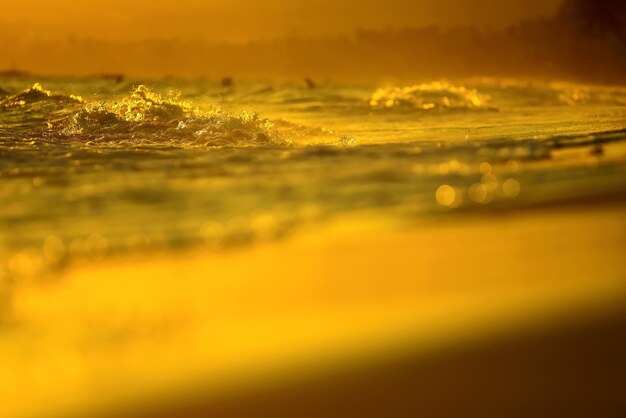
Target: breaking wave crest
437 95
35 95
142 117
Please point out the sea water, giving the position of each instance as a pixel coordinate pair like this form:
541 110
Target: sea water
91 168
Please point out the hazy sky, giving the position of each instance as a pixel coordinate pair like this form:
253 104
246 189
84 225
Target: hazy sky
249 19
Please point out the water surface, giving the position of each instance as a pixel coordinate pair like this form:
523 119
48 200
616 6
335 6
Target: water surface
90 168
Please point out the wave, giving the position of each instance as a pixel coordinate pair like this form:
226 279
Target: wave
586 95
533 93
437 95
35 95
142 117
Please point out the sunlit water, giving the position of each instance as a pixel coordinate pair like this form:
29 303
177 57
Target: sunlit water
90 168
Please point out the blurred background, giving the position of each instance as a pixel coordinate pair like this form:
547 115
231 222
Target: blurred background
387 39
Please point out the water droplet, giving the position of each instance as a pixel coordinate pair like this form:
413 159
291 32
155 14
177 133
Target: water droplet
479 193
489 181
512 165
511 188
448 196
485 167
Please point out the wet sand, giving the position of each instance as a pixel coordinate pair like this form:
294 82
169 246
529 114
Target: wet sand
460 315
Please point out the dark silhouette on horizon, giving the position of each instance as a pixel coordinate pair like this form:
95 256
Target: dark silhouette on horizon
597 18
116 78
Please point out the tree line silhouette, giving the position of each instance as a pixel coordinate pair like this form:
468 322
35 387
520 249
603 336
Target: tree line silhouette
585 40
